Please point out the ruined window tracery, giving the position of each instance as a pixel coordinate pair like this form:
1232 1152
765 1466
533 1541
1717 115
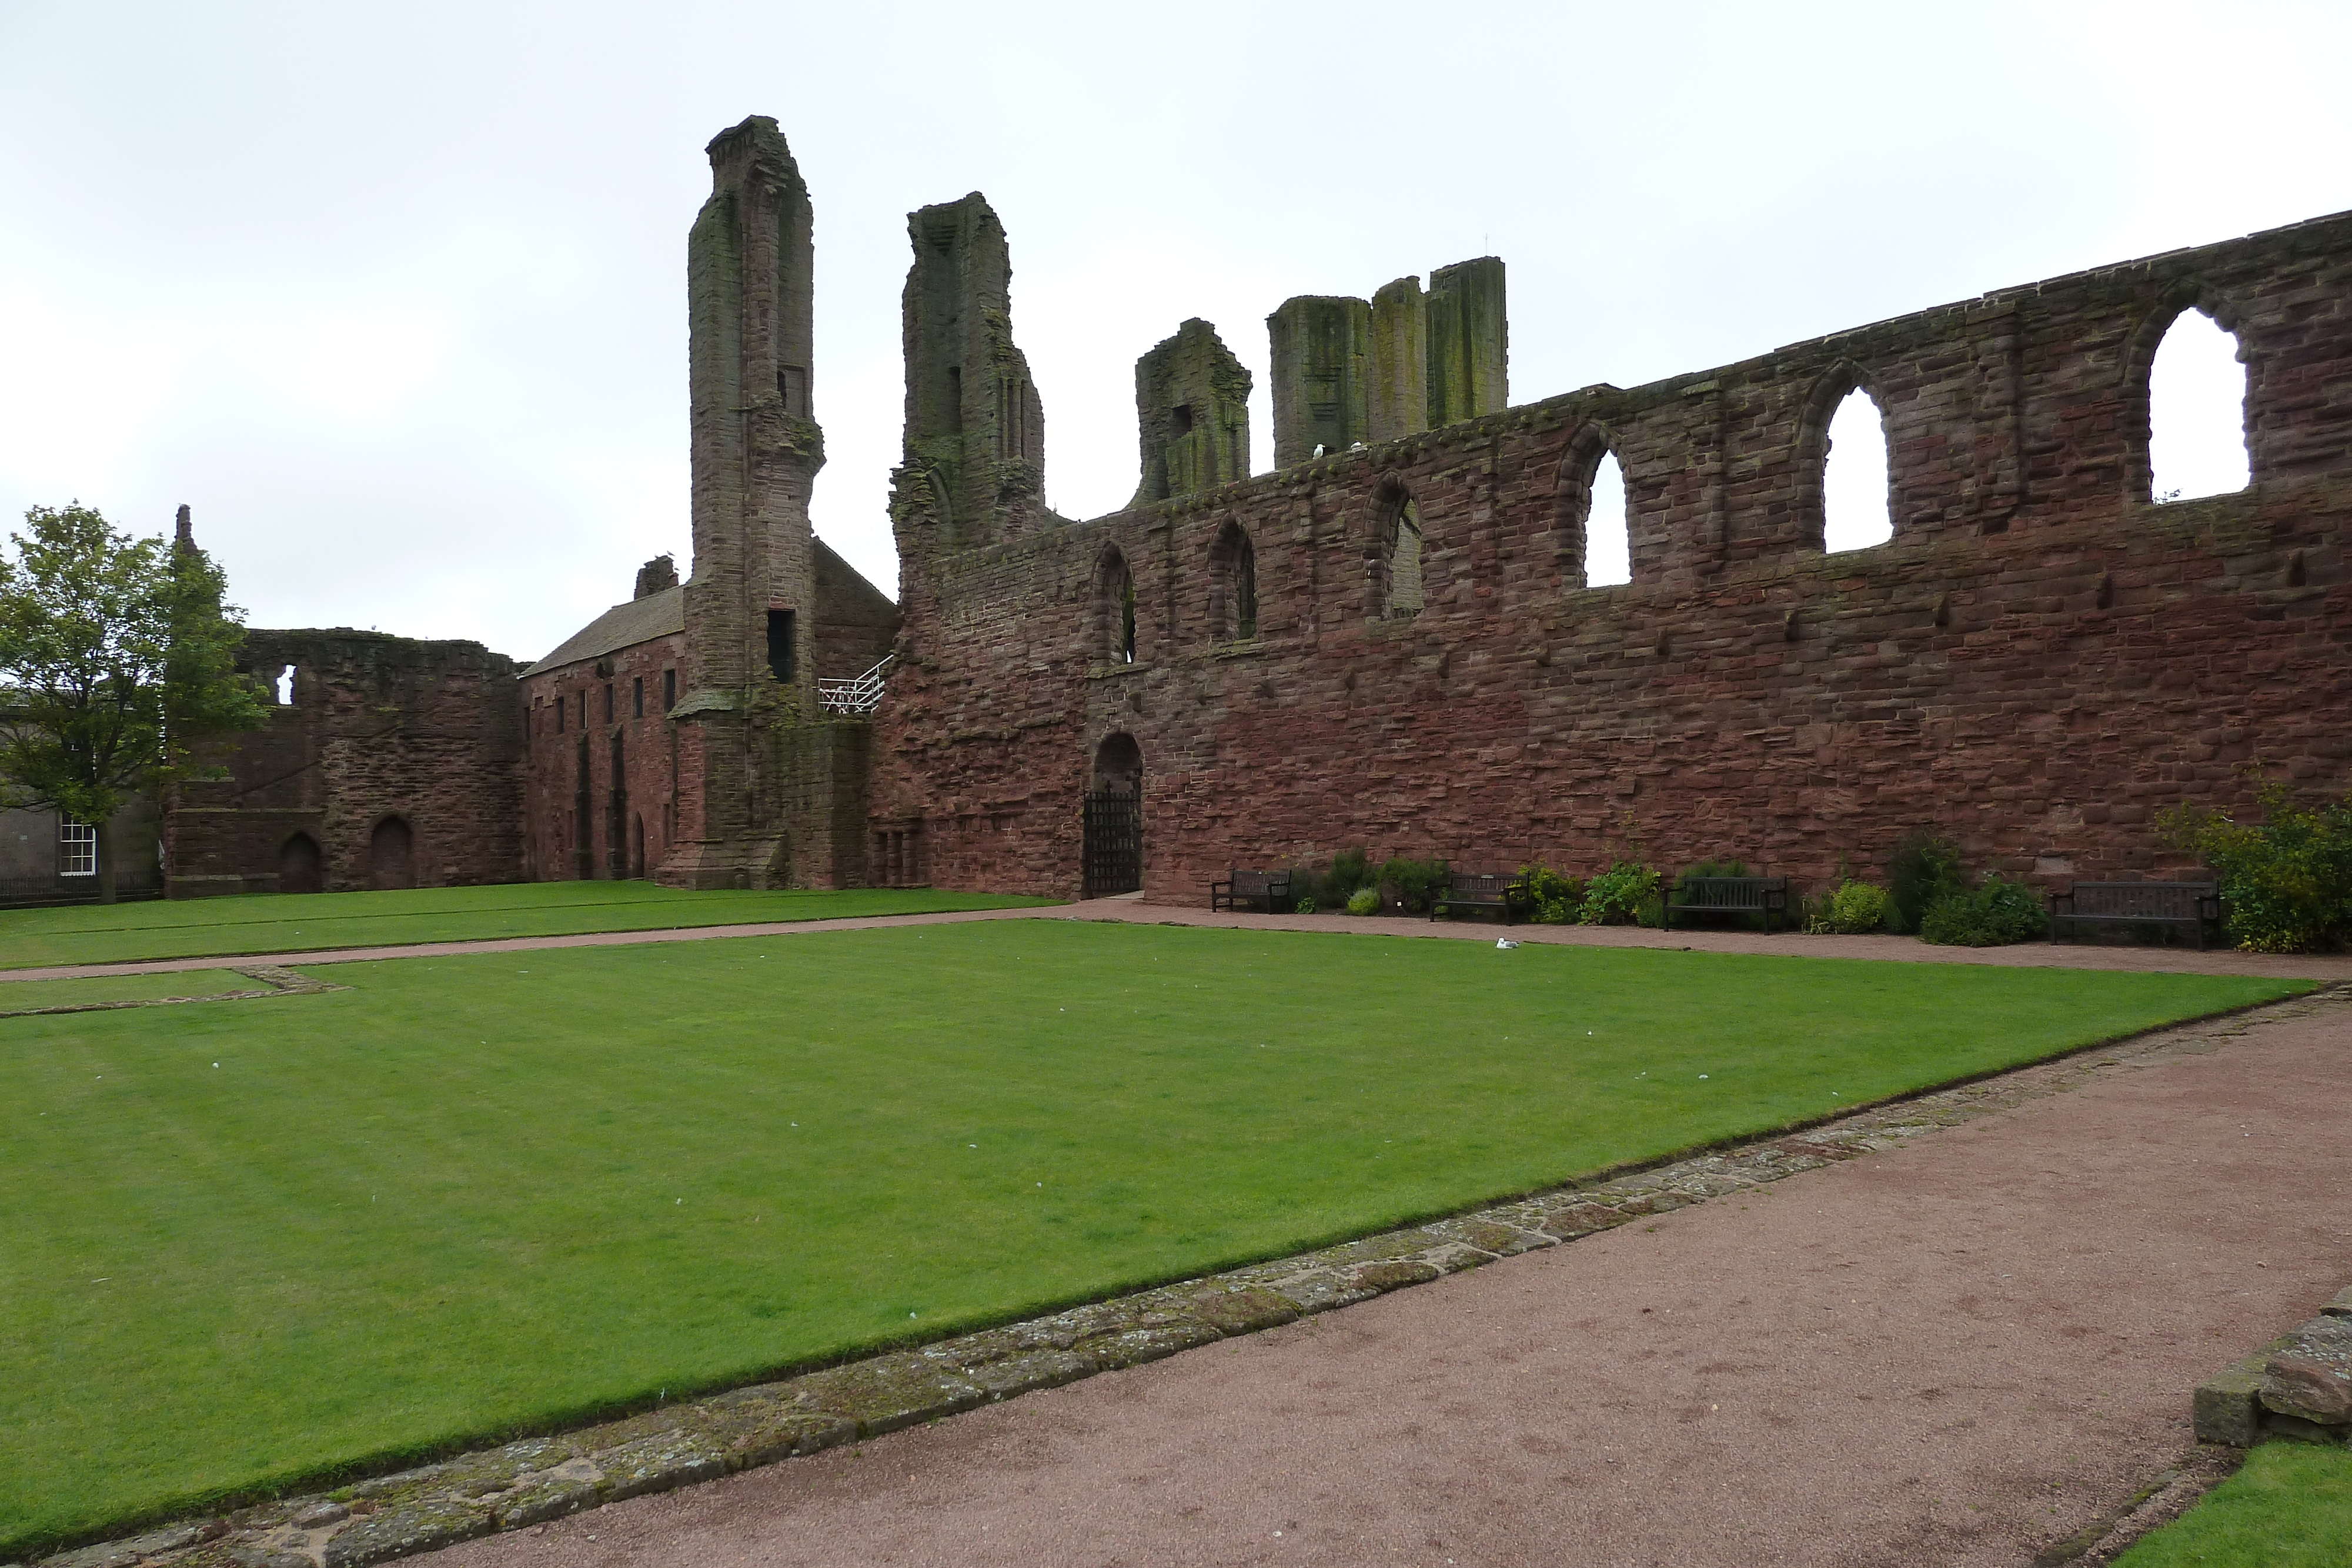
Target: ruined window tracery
1398 516
2196 411
1233 585
1114 608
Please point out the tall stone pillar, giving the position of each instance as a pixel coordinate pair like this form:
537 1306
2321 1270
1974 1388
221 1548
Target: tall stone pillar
976 437
1191 402
1322 350
750 603
1469 346
1397 400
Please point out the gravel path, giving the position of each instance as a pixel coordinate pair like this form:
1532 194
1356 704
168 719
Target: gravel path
1129 908
1957 1352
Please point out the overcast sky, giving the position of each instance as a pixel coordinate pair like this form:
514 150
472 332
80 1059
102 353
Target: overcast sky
395 296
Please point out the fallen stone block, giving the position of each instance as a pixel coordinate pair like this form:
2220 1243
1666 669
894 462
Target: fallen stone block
2227 1408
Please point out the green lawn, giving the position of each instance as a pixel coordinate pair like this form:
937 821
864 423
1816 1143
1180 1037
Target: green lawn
210 927
246 1241
2290 1506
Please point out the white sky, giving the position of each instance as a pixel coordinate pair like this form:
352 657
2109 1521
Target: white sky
393 295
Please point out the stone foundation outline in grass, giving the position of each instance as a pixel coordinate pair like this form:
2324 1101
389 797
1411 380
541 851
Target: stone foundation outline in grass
538 1478
277 980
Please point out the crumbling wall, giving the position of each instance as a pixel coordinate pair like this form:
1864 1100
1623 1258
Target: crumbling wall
380 728
857 622
2037 661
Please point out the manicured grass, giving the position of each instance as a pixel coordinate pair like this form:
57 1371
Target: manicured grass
18 995
2290 1506
246 1241
309 923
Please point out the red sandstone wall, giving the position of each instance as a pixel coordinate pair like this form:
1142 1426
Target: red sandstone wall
2037 661
569 834
380 727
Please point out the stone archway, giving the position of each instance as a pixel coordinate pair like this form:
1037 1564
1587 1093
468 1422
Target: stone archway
1111 855
392 855
298 868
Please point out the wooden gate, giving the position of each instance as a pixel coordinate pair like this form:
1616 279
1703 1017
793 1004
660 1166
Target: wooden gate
1114 842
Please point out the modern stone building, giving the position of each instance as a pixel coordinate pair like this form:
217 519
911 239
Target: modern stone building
1389 639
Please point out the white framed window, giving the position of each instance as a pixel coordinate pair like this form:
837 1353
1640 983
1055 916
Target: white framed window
77 849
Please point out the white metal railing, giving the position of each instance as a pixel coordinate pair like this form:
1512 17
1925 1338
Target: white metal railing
856 696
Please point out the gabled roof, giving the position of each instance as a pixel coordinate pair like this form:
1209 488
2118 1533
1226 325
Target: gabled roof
622 626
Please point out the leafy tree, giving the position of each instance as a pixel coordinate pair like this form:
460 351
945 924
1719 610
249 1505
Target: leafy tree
116 655
2287 879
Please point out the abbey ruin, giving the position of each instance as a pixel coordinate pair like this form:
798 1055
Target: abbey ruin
1389 640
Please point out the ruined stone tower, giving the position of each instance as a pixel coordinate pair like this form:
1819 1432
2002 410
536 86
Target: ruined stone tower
1322 359
756 452
1192 400
974 466
1346 371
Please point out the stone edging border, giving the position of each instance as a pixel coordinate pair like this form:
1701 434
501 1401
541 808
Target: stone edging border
282 982
538 1478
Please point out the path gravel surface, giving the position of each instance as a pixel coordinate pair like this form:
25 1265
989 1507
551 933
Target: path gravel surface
1959 1351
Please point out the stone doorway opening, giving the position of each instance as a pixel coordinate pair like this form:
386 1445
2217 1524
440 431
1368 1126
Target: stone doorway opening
1112 854
298 868
392 855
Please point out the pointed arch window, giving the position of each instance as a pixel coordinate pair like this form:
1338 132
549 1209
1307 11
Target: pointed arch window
1595 524
1855 513
1233 585
2196 411
1845 492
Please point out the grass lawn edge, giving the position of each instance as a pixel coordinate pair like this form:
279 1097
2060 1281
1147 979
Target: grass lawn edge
227 1500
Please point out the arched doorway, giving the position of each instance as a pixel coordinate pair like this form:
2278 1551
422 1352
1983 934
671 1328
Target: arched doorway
1112 854
297 865
392 855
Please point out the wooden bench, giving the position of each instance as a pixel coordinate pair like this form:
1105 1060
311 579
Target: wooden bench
1504 890
1265 891
1764 895
2194 907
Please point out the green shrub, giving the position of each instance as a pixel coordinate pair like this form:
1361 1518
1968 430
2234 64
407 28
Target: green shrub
1855 909
1331 887
1924 868
1411 883
2287 879
1364 901
1991 915
1307 906
1617 896
1556 900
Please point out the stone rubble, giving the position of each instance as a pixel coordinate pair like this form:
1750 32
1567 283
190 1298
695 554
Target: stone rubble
540 1478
